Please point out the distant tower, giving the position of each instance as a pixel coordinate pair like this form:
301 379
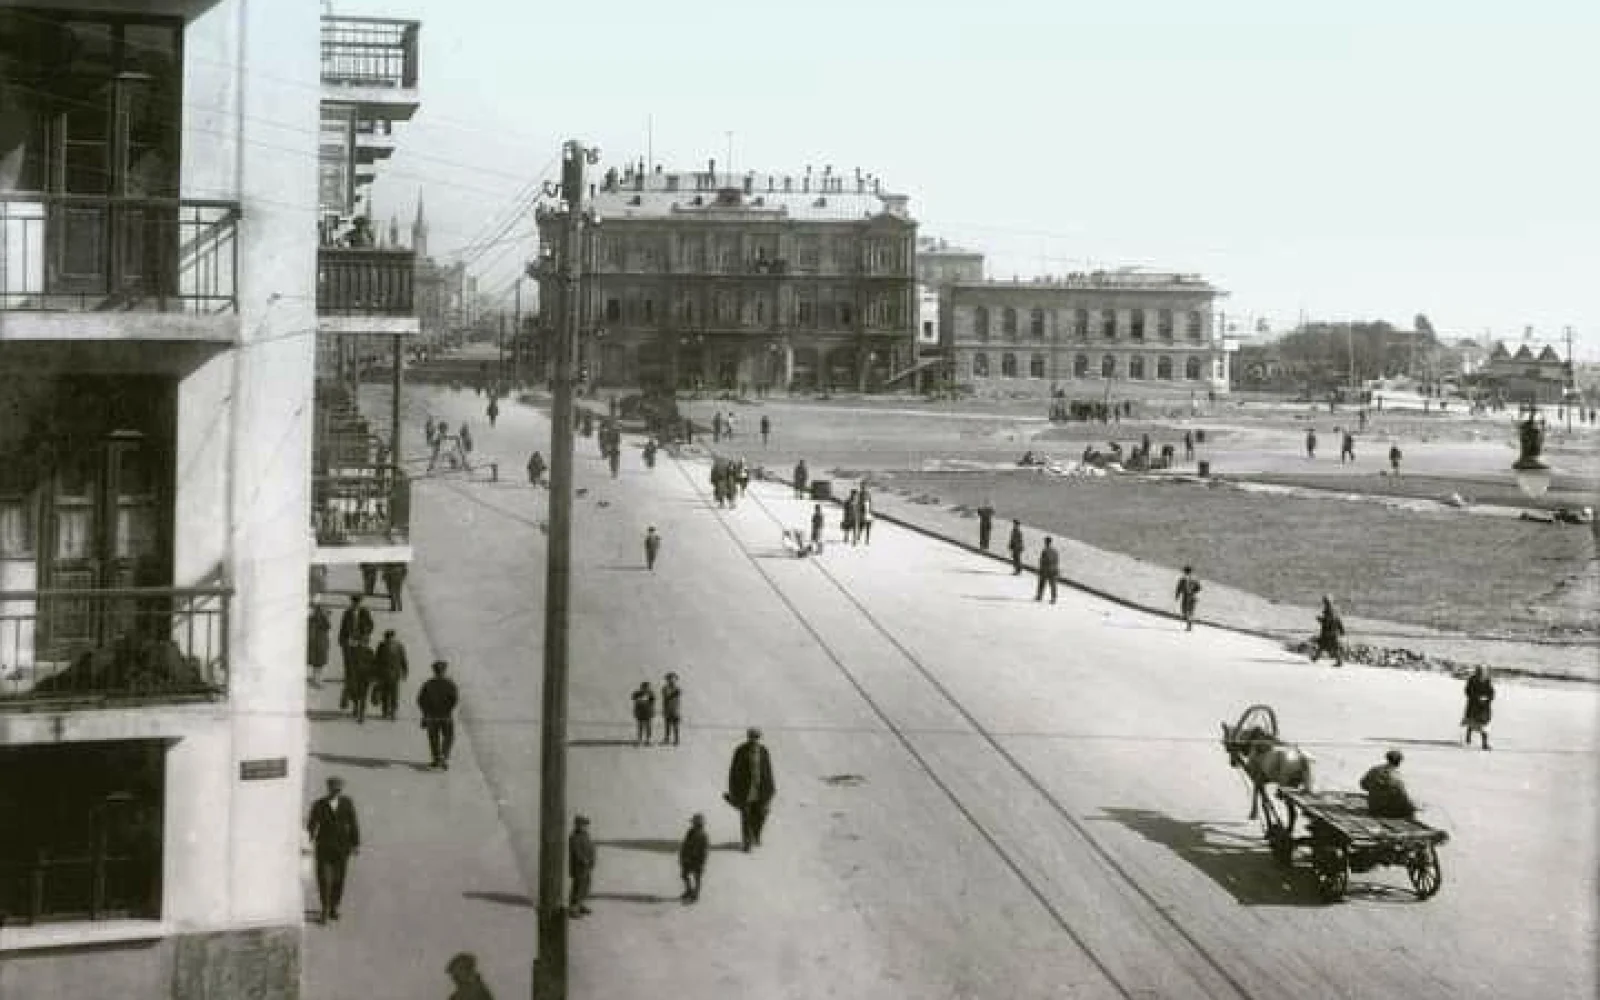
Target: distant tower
394 232
419 231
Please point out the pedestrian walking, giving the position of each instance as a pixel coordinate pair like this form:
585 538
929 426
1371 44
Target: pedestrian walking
429 432
614 459
716 427
437 701
318 628
1330 634
801 478
369 579
864 516
847 519
1347 450
358 686
671 711
389 669
355 628
335 839
465 435
1311 443
463 972
692 856
818 523
751 787
1049 570
652 547
1014 546
644 714
535 469
1188 446
742 472
1361 417
1394 459
493 412
1187 594
985 526
1480 701
766 430
580 866
394 581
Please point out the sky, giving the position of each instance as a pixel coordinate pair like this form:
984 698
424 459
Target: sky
1370 159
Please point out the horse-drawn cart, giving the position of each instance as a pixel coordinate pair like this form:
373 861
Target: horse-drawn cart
1344 837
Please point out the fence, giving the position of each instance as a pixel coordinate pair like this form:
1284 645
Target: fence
369 51
361 505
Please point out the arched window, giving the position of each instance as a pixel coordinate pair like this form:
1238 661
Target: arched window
1196 325
980 365
1080 364
1008 365
1164 324
1136 324
1164 367
1008 322
1136 366
1080 324
1036 324
1108 324
1108 367
980 323
1191 368
1036 366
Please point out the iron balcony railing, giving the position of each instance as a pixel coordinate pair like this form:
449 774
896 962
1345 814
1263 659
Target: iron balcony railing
368 505
106 252
369 51
366 282
139 642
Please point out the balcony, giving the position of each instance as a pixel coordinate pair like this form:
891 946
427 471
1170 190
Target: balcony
362 514
363 290
124 268
371 62
144 643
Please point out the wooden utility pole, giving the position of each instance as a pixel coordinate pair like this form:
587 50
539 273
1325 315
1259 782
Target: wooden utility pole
550 966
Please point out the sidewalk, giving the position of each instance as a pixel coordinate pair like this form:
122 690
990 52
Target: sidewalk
436 873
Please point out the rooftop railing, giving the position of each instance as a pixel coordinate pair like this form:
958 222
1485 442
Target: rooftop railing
365 505
104 252
129 643
366 282
369 51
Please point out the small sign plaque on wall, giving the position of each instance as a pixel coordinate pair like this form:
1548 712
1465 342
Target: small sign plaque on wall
264 770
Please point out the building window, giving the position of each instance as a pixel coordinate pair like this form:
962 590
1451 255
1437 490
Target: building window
613 310
1164 367
1008 365
1136 324
1191 369
980 323
649 310
847 314
82 837
1164 324
1195 325
927 330
1108 367
725 311
808 258
608 251
1080 364
1036 324
980 365
1108 324
805 312
761 311
1036 366
727 257
691 254
1008 323
686 310
1136 366
1080 324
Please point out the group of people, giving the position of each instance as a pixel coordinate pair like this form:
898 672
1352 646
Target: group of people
730 478
1347 446
644 712
456 448
856 523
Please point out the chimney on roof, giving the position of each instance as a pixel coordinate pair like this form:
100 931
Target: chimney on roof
788 183
772 183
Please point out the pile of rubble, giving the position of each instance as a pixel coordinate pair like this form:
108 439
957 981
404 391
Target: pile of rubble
1391 659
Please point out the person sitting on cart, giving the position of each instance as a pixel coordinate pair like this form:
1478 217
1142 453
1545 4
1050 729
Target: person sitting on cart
1387 797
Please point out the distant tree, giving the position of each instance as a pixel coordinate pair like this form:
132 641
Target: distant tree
1421 324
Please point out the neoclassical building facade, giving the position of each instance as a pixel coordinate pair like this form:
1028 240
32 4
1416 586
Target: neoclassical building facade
1119 326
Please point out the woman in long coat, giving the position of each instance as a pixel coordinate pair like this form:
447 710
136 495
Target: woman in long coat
317 629
1330 634
1480 699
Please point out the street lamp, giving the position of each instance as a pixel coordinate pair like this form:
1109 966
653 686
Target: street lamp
1533 476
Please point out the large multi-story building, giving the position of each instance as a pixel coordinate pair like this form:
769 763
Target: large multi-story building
939 266
157 304
739 280
1120 325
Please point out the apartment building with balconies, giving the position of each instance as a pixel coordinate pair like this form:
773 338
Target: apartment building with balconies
728 281
367 312
157 319
1106 325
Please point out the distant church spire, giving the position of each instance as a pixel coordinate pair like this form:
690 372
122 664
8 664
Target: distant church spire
419 230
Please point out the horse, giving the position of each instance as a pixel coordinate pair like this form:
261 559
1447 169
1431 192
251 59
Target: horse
1265 760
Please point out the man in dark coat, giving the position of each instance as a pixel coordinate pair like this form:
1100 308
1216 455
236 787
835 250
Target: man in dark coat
1394 459
437 701
463 972
1014 546
335 837
317 629
535 469
369 578
1347 448
818 523
389 669
692 855
1480 706
985 526
671 709
394 581
355 628
1330 634
359 676
652 547
580 866
1386 791
801 478
766 429
1049 570
751 787
1187 593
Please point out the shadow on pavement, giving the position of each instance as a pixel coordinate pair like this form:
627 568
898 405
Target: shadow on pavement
1414 742
633 897
326 714
371 762
503 898
1240 865
600 743
631 568
661 846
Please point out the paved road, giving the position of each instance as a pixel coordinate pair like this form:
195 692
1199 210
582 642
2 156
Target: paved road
979 796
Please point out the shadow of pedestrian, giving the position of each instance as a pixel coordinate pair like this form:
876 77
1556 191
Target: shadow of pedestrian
633 897
1414 742
600 743
503 898
653 846
624 569
346 760
326 714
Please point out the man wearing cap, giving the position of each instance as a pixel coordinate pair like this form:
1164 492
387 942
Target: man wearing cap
390 667
580 865
750 787
336 836
1386 790
437 700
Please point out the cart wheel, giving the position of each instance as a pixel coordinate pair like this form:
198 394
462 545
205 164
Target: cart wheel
1331 863
1426 875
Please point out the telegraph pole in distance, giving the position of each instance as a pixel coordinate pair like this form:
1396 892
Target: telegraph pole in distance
550 964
